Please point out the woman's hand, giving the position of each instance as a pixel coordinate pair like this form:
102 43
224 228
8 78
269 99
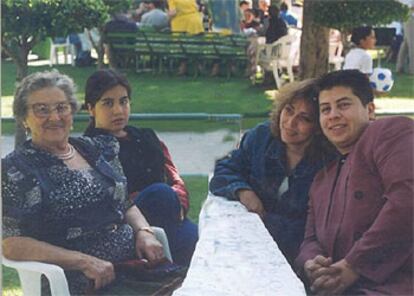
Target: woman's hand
147 246
100 271
251 201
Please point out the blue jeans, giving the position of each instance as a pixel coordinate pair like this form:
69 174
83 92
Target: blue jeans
161 207
286 232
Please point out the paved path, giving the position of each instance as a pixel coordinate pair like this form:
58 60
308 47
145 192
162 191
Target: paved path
193 153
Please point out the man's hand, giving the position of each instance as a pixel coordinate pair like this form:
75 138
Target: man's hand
147 246
334 279
100 271
314 267
326 278
251 201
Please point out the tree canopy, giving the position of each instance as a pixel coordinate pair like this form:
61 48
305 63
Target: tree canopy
26 22
347 14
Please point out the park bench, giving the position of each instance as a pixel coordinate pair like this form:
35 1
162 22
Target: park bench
156 49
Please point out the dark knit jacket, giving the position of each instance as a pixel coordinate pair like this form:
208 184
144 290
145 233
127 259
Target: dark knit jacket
145 161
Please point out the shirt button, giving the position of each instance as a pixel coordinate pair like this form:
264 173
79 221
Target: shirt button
357 235
358 195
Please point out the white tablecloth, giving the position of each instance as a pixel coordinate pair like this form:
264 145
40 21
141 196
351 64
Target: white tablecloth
235 255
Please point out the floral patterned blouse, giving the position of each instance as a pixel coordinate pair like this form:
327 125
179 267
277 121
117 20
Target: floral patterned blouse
80 210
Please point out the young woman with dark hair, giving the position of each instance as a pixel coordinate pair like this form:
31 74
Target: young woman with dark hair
153 180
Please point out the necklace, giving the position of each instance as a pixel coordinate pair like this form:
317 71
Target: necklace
68 155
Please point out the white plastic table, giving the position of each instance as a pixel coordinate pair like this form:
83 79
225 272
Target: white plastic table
235 255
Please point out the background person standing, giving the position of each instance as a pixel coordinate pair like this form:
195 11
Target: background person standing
407 47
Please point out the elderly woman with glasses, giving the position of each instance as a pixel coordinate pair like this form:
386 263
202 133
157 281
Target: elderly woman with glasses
64 199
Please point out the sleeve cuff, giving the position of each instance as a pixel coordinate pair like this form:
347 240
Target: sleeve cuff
234 187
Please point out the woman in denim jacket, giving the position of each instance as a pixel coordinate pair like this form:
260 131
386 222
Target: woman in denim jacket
272 170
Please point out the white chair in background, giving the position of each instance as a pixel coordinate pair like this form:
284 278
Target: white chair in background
68 49
335 55
30 272
279 56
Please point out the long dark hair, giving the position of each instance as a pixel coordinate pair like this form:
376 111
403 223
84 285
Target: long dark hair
100 82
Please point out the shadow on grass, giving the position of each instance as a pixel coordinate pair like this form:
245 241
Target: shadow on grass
11 282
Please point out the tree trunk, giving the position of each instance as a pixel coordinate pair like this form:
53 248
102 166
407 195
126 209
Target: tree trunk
314 45
22 71
101 53
345 42
19 52
20 58
99 47
21 67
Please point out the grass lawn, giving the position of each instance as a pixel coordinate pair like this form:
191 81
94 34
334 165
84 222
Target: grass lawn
11 282
164 94
196 185
168 94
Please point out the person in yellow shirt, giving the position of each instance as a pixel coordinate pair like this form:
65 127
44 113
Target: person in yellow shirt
185 16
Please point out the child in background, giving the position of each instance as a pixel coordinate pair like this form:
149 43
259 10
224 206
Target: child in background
358 57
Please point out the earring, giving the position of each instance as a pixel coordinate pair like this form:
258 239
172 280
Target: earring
26 129
27 132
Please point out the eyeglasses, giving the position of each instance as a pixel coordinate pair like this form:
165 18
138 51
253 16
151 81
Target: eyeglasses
44 110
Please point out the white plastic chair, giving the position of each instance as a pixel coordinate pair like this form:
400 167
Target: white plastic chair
30 271
279 56
68 49
335 55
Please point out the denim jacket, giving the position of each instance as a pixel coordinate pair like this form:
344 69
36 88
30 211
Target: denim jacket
260 165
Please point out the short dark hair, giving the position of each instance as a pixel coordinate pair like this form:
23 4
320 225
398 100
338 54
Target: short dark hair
360 33
273 11
357 81
244 3
255 12
283 6
157 3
